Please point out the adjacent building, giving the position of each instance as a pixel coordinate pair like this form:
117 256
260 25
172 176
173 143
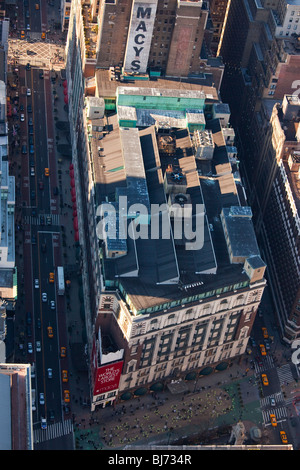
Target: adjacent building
260 48
16 426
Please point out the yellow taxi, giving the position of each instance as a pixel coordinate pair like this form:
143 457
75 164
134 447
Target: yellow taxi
22 34
273 419
265 333
46 171
262 350
43 35
264 379
63 351
51 277
37 6
283 437
64 374
50 331
66 396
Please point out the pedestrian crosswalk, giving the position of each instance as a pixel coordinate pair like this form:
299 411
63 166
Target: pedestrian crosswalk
285 374
37 220
53 431
267 362
267 401
280 413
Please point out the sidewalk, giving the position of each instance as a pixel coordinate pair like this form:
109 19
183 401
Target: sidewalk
78 376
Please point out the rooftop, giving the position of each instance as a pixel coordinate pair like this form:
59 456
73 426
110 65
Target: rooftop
160 165
108 88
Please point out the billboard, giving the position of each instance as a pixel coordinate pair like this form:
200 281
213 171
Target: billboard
140 35
107 378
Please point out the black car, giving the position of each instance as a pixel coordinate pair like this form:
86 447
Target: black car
38 323
32 194
24 149
30 129
33 239
44 247
55 191
28 318
28 66
28 331
29 108
51 415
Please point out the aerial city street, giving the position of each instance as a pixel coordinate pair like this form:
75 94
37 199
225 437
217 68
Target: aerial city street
149 260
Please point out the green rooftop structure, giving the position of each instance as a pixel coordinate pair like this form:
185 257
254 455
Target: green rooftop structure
143 107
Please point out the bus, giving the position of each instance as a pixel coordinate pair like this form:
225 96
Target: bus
60 280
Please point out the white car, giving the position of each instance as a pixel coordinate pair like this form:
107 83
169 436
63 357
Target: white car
52 305
32 171
49 373
22 118
28 92
44 297
36 284
42 399
29 348
38 346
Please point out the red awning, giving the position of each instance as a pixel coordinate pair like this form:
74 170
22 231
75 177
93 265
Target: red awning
72 183
75 223
72 173
65 83
71 166
76 236
66 99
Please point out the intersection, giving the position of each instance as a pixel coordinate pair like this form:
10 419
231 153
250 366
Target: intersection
38 53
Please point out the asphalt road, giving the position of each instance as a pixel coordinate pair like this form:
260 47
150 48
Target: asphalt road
42 253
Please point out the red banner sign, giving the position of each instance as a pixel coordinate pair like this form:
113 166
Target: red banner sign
107 377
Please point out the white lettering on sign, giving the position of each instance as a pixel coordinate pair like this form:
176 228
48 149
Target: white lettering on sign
140 36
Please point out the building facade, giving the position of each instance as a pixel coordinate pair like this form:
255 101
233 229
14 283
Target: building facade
180 314
156 311
163 35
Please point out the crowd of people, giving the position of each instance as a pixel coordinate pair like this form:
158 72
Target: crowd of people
142 419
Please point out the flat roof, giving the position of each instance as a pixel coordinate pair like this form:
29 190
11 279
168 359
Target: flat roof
241 234
165 92
154 270
107 88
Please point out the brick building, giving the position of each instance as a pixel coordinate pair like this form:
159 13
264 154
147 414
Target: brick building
161 34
